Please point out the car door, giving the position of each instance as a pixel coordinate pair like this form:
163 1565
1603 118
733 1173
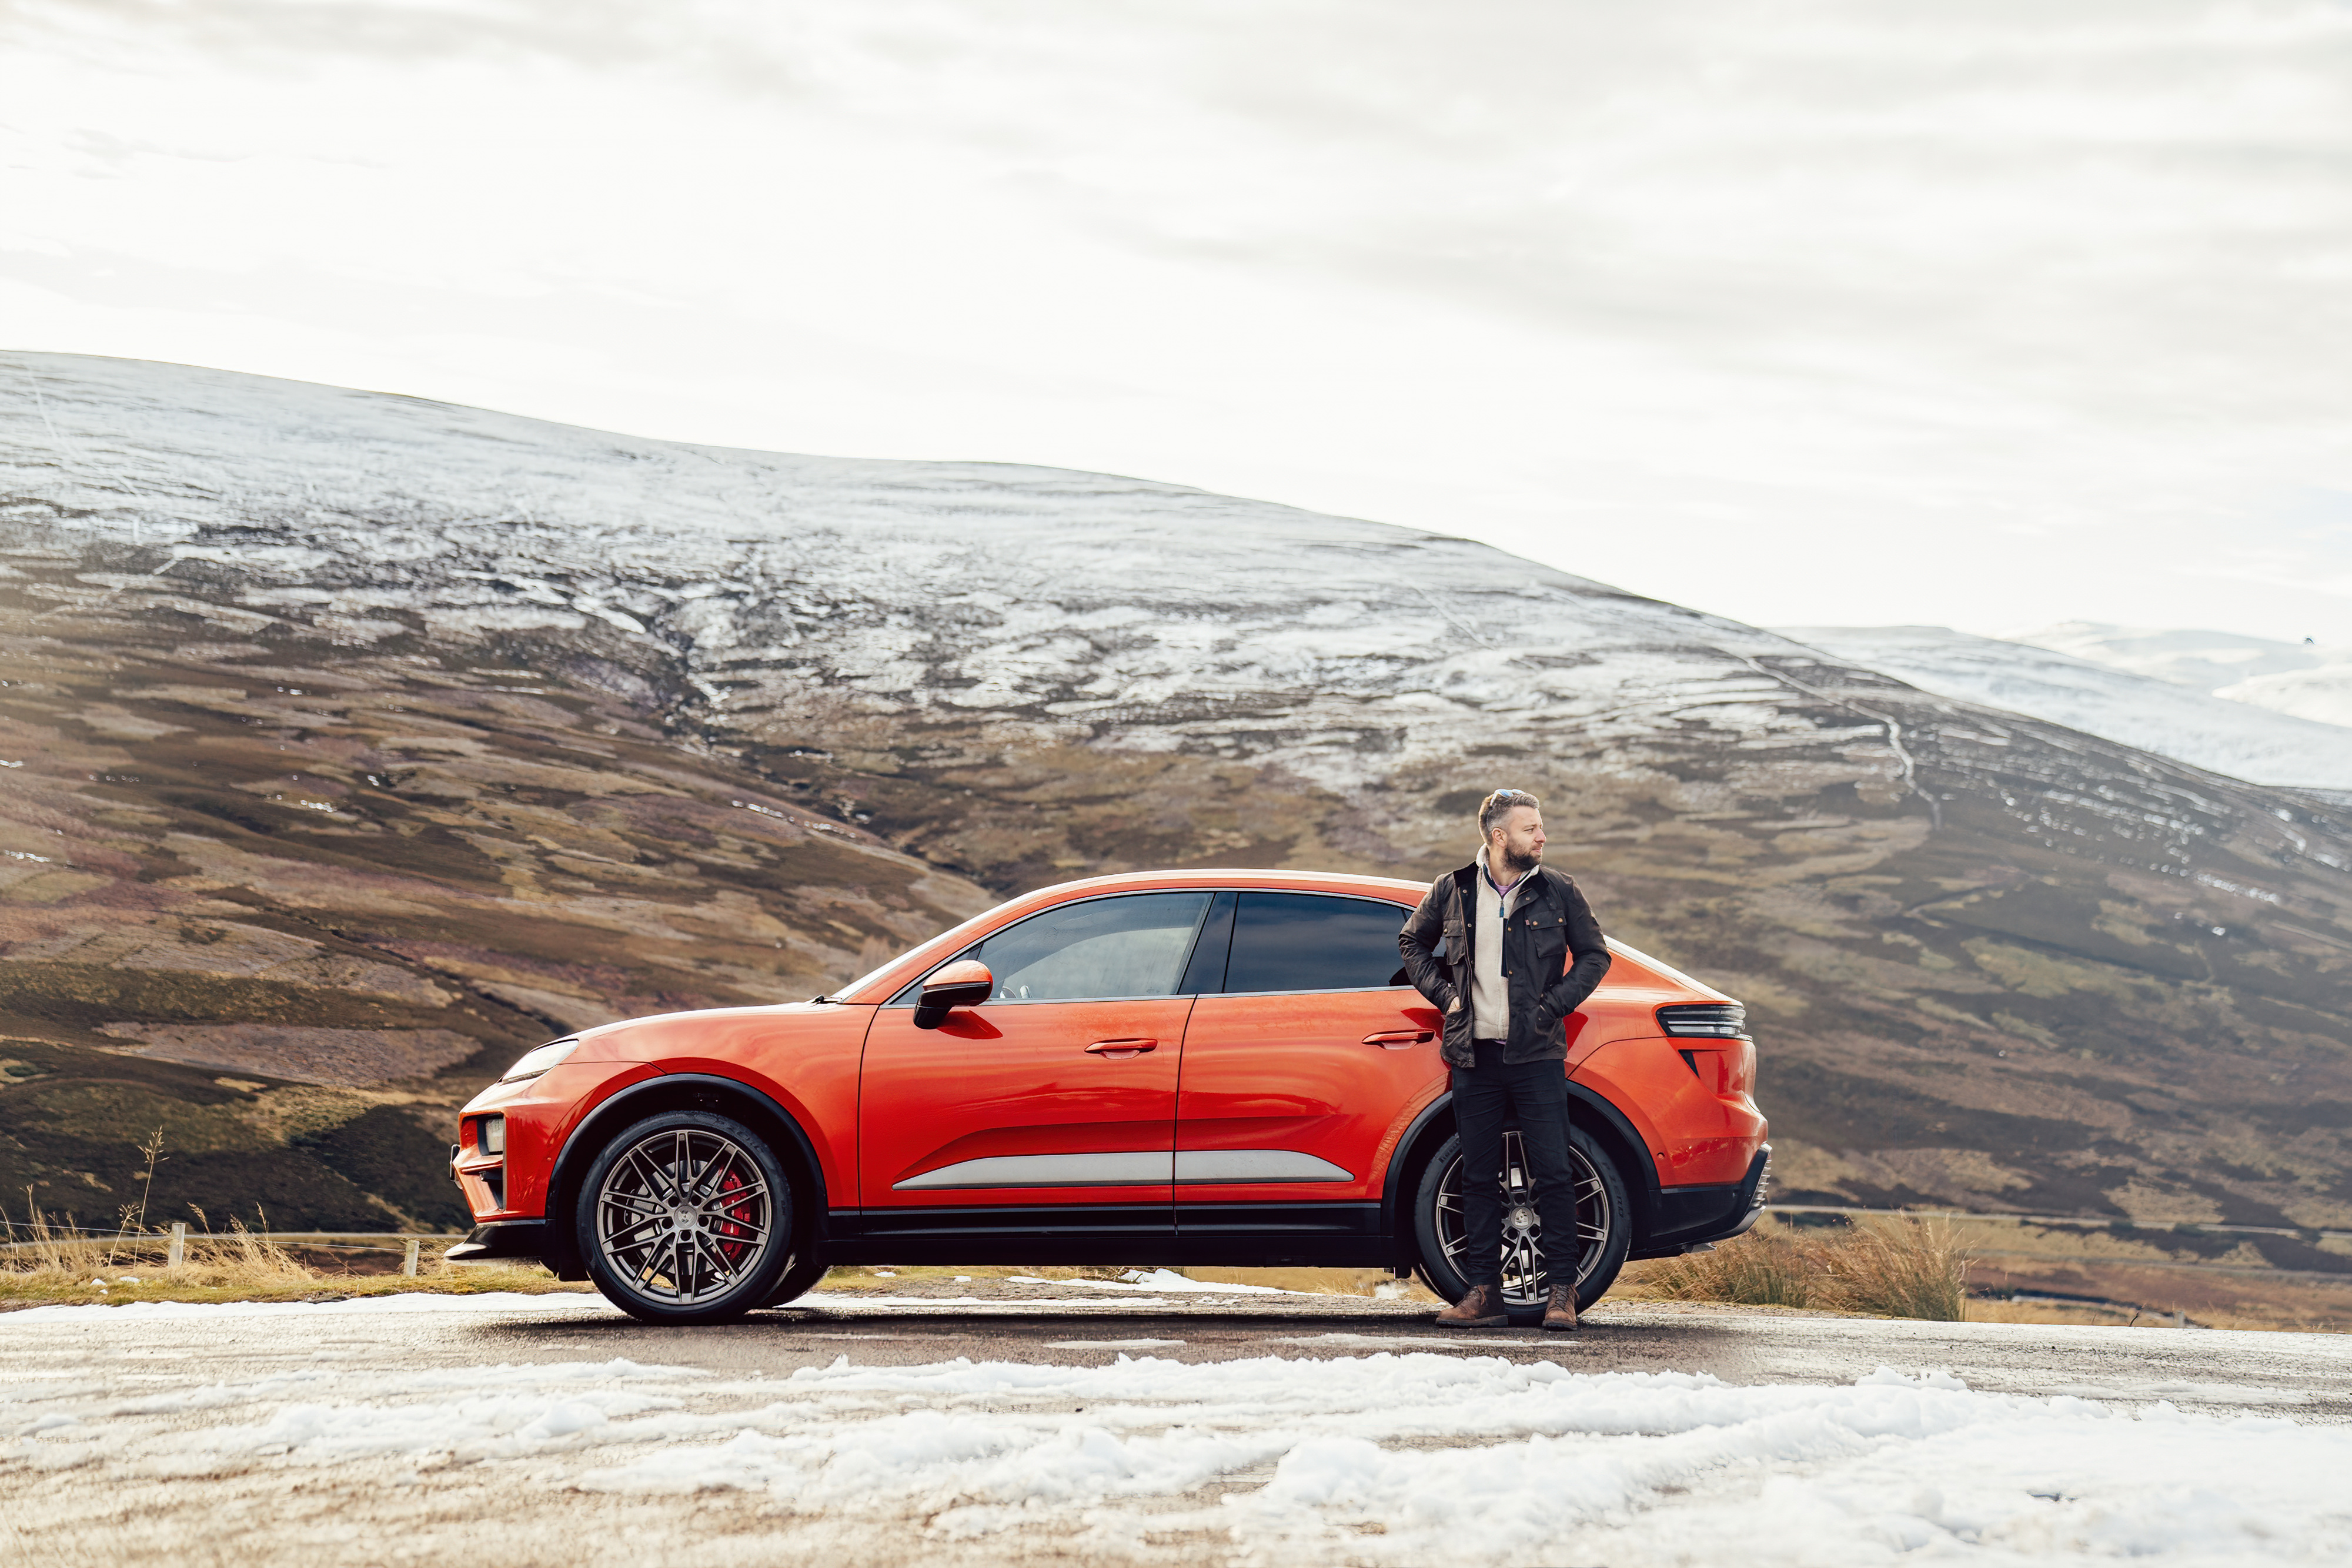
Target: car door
1304 1067
1059 1089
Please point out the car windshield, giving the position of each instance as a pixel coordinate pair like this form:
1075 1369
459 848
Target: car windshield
948 939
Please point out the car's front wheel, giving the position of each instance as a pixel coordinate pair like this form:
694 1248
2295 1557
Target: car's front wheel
1604 1226
800 1277
686 1218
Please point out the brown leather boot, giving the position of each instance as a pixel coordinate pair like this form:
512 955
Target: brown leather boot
1559 1313
1481 1309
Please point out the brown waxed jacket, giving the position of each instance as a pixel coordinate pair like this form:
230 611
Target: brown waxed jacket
1550 925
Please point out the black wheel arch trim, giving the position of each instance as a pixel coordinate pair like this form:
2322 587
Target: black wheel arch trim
1395 1223
580 1149
1635 1167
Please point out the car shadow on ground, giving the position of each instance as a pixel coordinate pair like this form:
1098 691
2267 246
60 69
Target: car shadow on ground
788 1338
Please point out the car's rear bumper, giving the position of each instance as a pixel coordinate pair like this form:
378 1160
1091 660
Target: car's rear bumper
502 1241
1689 1217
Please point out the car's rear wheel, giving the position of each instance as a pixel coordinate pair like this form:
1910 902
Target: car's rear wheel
686 1218
1602 1222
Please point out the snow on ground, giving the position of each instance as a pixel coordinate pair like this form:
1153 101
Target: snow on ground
1160 1280
1159 1285
2235 737
1380 1457
504 1303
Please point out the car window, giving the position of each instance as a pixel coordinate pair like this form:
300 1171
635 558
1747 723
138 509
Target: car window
1129 946
1310 942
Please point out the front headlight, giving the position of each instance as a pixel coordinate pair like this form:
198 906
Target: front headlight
534 1062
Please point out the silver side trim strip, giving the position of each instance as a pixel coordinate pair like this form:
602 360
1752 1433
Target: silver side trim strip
1197 1166
1134 1167
1137 1167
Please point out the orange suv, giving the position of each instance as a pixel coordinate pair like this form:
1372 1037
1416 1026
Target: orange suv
1167 1068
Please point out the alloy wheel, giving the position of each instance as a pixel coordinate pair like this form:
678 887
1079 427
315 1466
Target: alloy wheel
684 1216
1526 1279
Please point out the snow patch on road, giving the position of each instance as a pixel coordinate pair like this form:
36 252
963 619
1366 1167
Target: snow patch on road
1024 1303
502 1302
1376 1458
1162 1279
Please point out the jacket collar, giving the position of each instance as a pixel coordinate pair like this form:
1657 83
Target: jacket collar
1467 879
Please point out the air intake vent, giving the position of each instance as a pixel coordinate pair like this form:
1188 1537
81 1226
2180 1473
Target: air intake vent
1705 1020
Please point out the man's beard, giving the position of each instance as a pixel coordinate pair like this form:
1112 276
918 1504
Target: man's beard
1520 864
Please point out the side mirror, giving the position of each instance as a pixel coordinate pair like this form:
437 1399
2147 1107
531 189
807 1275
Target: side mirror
965 983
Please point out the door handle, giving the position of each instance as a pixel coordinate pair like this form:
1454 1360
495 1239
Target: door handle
1120 1049
1400 1040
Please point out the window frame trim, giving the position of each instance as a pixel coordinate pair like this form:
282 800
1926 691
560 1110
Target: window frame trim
910 994
1405 913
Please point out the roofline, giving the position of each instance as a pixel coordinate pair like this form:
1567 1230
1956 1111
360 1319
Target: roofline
1217 876
887 982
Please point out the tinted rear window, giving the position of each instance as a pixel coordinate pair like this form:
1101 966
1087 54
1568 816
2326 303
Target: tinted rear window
1308 941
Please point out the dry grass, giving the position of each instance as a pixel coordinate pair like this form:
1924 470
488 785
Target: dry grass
58 1264
1904 1268
1761 1268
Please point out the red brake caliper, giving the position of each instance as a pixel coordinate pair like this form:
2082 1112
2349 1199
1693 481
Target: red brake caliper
736 1224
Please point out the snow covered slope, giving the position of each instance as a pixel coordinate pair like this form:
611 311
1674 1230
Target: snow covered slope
1087 606
2304 680
2140 710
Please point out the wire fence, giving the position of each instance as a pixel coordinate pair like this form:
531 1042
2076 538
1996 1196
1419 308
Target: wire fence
47 1236
2075 1221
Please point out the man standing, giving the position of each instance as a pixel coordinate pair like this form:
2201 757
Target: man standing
1511 927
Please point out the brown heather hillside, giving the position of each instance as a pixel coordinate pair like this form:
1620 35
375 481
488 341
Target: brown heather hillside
1992 962
293 903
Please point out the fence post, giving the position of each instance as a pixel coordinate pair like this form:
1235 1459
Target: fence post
179 1252
408 1264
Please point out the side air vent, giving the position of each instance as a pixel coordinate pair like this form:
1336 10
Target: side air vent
1705 1020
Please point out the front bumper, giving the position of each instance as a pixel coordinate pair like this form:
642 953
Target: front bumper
502 1241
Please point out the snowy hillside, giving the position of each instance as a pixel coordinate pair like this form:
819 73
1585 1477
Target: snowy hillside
2141 710
2302 679
1085 606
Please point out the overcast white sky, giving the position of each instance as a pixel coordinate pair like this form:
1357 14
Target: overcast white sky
1987 313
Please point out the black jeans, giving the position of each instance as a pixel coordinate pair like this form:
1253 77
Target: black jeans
1482 1097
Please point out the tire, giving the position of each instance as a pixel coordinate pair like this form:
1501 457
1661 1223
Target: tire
686 1218
1603 1218
800 1276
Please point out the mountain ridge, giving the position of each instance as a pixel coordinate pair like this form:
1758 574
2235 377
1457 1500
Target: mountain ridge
2303 680
2171 718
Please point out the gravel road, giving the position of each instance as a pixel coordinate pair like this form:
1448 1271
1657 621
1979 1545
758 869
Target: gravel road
1062 1423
